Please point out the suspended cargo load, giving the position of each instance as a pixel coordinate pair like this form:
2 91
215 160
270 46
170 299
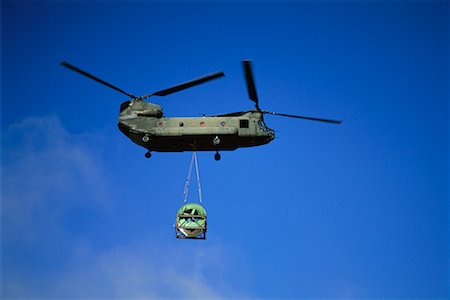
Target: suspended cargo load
191 222
191 217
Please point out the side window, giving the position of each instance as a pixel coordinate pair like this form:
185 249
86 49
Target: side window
243 123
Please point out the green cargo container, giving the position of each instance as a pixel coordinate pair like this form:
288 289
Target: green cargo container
191 222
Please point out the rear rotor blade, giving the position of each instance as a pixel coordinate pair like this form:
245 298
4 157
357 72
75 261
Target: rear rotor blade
250 82
302 117
73 68
186 85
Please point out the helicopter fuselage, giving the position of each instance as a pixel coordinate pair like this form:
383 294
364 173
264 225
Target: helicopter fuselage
145 124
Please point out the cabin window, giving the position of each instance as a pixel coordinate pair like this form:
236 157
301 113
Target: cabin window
243 123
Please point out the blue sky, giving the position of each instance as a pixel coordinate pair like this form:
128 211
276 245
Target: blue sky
354 211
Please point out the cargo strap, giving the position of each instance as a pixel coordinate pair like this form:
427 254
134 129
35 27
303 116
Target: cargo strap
188 180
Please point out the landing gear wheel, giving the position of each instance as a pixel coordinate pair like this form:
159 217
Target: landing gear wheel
148 154
217 156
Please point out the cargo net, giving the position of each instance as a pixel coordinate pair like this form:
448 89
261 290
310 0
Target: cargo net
190 222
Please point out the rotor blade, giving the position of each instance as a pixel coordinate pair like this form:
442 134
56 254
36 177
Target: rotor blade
186 85
250 82
73 68
302 117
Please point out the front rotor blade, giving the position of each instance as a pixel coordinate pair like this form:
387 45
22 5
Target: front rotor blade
302 117
186 85
250 82
73 68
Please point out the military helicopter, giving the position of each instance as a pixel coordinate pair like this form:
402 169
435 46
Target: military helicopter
145 124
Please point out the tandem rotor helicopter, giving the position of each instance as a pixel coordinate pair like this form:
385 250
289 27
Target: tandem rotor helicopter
145 124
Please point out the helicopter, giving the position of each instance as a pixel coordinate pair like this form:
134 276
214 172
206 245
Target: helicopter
145 124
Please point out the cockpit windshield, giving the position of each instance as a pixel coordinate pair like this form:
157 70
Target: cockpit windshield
262 126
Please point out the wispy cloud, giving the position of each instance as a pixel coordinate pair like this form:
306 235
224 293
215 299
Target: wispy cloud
135 271
46 173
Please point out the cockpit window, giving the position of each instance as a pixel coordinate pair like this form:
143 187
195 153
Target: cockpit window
262 126
124 105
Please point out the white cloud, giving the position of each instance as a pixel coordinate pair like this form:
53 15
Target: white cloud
45 172
136 271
